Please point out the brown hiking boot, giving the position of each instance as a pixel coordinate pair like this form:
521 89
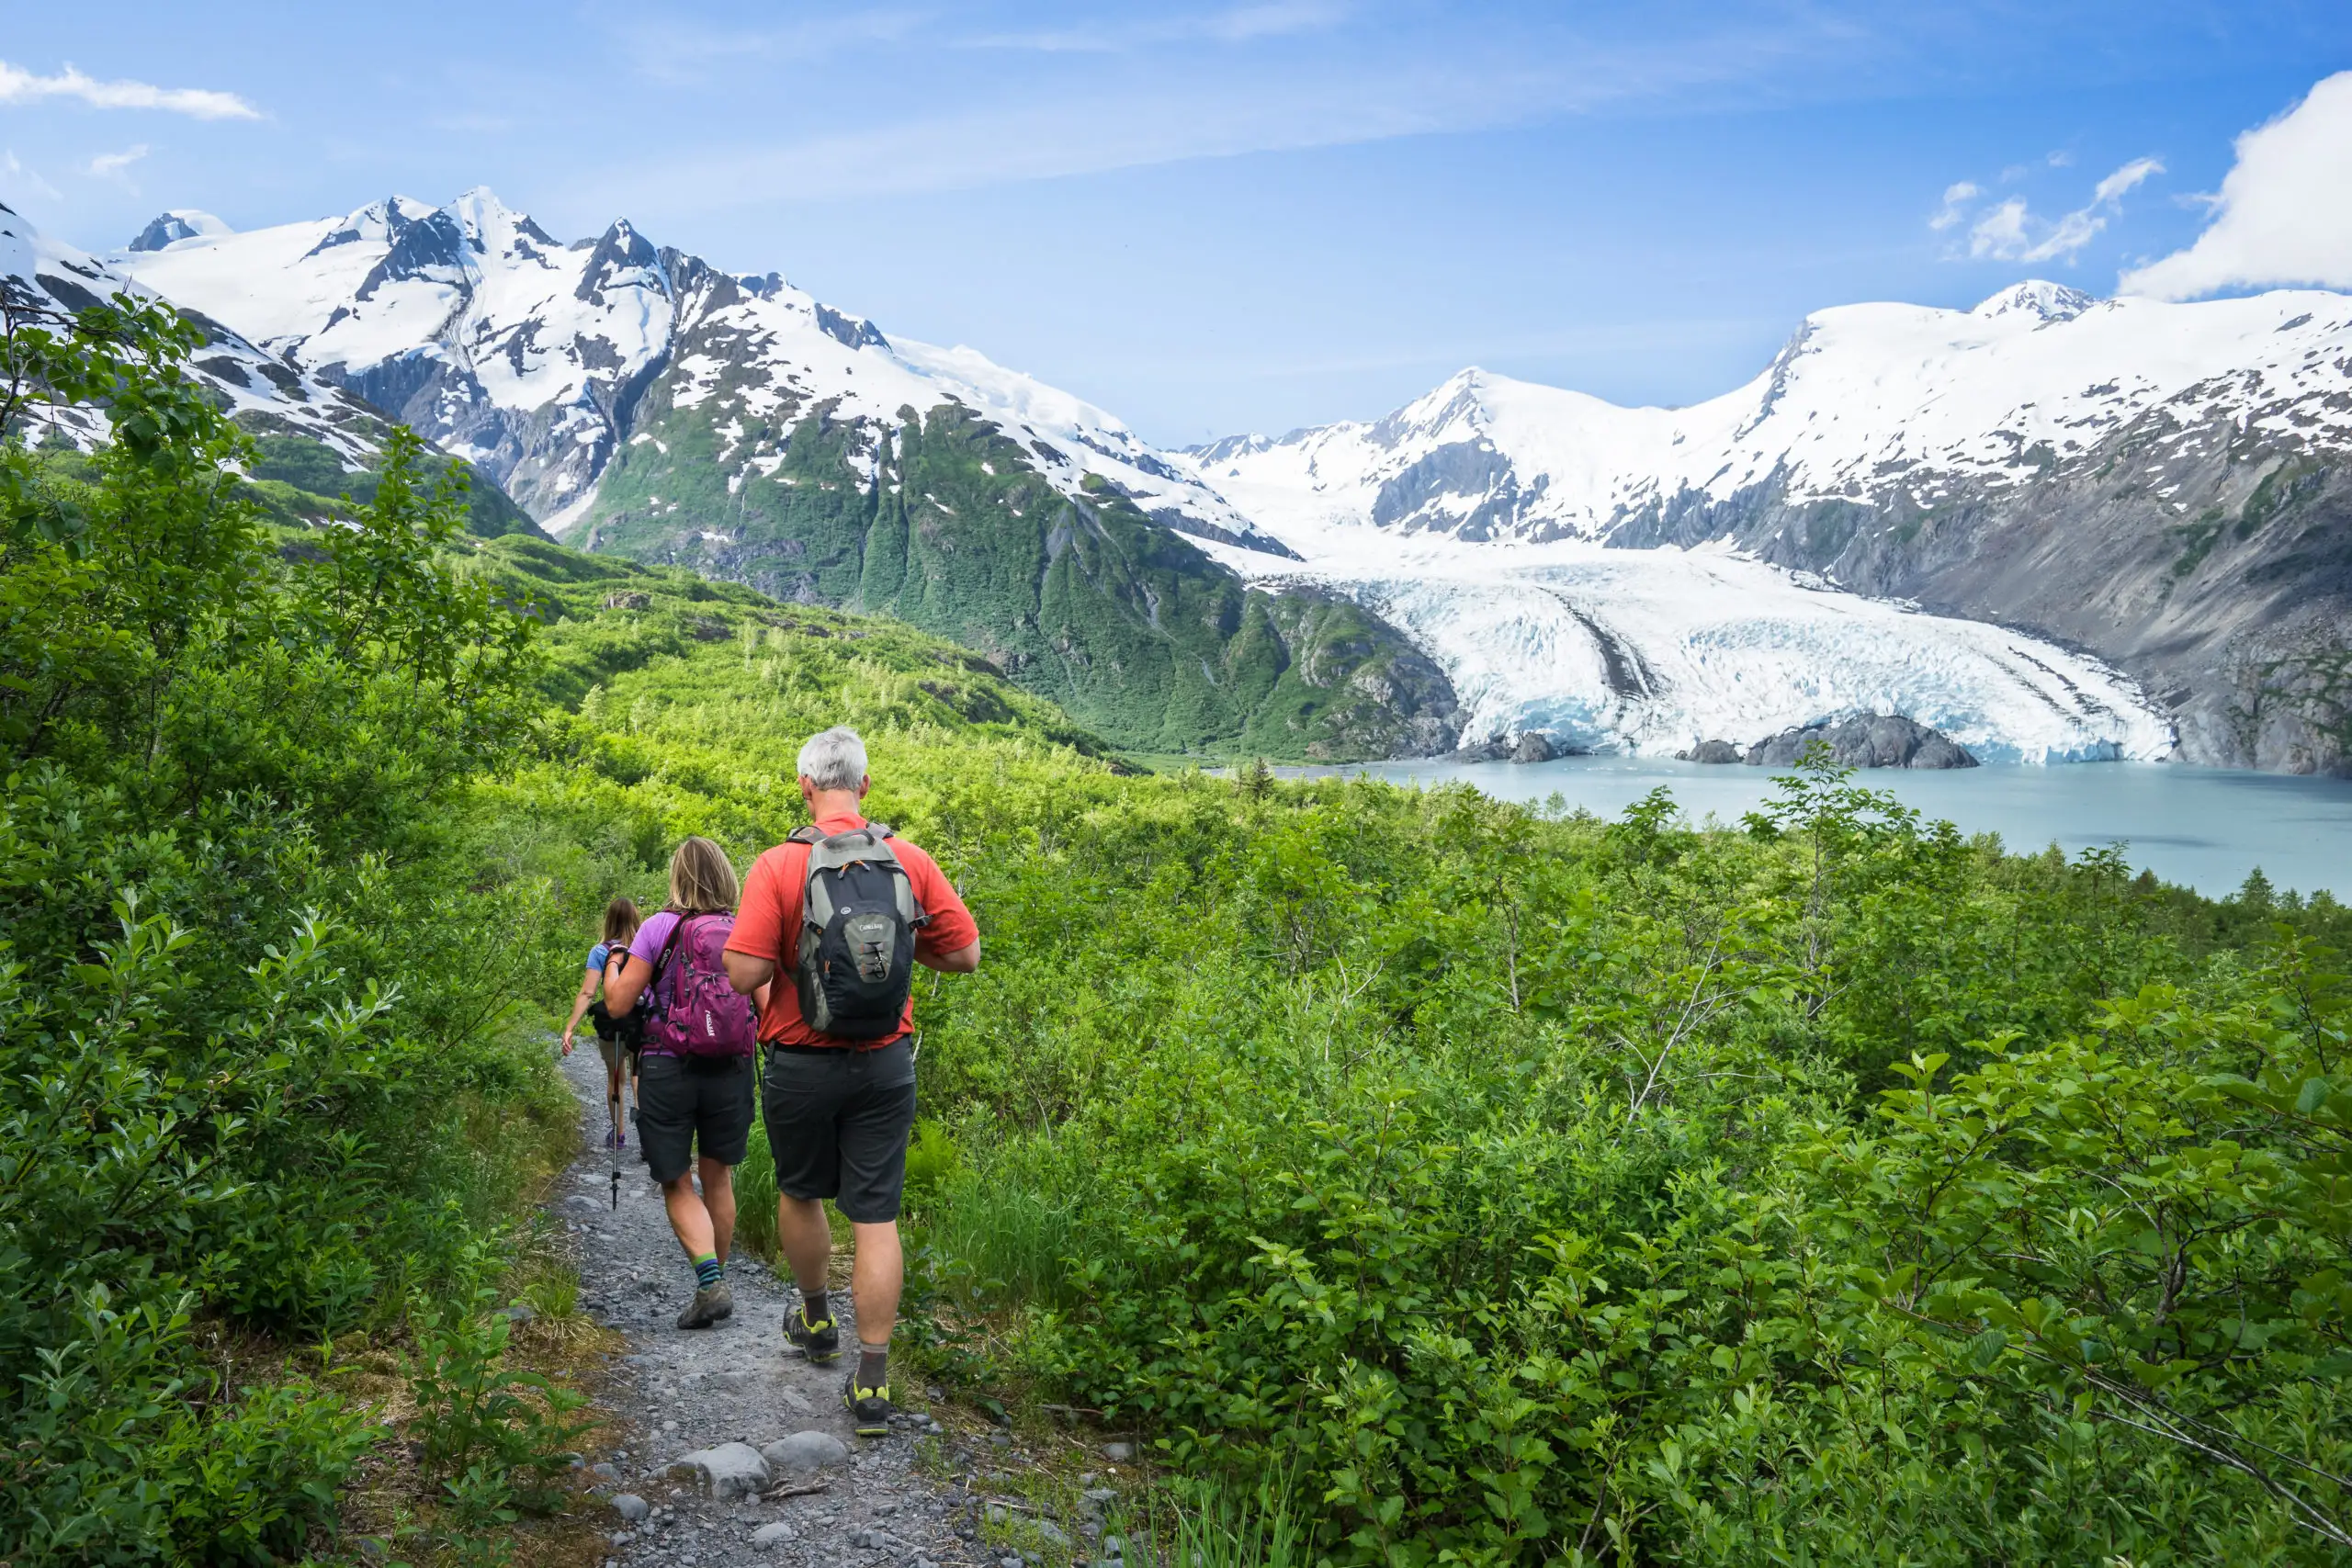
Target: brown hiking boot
711 1303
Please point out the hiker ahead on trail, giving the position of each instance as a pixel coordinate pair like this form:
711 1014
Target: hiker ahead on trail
617 1039
836 916
695 1089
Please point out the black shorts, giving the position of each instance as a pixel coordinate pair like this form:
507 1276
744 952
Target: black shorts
690 1105
838 1121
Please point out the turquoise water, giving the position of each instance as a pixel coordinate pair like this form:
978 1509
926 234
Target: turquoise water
2203 827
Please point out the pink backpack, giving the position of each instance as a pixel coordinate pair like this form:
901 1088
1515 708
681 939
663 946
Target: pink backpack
701 1015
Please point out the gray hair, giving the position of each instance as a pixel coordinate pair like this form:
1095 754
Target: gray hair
835 759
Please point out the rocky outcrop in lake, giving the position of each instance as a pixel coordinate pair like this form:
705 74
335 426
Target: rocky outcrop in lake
1872 741
1875 741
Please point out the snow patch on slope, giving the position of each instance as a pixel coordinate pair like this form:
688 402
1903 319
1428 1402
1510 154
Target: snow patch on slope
250 380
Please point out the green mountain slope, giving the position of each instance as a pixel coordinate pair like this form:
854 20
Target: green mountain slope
1084 599
301 480
605 619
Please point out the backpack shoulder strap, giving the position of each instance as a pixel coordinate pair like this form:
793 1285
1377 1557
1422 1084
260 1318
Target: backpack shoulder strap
910 908
812 834
669 946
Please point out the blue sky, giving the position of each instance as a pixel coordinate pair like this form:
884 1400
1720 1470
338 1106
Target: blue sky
1227 216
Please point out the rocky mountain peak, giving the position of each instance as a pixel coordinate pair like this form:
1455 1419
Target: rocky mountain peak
179 223
2037 297
623 257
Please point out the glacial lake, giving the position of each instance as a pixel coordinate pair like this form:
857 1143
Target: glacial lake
2205 828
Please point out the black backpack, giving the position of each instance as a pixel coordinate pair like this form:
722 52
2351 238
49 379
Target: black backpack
858 918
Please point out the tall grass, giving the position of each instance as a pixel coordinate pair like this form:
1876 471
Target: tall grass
1000 1235
755 1199
1220 1523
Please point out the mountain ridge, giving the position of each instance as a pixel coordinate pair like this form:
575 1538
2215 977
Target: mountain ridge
2144 501
315 442
649 403
2164 485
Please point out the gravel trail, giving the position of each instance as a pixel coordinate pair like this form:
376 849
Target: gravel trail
863 1502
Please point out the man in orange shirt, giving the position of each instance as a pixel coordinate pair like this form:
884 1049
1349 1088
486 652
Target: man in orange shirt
839 1105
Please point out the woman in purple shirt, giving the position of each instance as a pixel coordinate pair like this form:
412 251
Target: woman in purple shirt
694 1113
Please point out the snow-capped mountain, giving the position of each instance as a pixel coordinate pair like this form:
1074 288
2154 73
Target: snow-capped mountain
267 393
531 355
649 403
2089 528
2160 485
1882 405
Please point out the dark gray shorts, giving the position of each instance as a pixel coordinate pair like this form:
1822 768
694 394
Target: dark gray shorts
686 1105
838 1121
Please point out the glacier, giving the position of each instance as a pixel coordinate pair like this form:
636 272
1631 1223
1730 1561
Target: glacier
1910 435
1651 651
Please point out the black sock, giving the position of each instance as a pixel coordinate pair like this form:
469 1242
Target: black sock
814 1308
873 1366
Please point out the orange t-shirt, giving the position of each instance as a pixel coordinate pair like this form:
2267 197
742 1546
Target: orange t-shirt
767 925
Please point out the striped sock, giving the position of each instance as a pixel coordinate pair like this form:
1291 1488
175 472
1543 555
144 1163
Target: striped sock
708 1271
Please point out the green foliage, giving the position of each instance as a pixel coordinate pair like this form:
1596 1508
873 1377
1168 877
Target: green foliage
495 1437
1499 1186
232 1099
299 481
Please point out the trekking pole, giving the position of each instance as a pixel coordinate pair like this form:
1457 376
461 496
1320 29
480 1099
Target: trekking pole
612 1141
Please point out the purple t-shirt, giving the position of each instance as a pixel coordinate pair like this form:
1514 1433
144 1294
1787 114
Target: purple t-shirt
647 942
647 945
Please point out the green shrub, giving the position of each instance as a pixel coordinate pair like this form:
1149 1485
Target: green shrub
246 993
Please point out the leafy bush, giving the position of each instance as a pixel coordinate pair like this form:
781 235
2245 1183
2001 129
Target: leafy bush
496 1438
236 1066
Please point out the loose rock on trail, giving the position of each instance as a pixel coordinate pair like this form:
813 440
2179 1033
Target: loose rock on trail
729 1449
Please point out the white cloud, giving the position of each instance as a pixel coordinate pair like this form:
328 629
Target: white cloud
2284 214
2112 190
1957 195
2011 232
115 166
2000 232
19 85
25 178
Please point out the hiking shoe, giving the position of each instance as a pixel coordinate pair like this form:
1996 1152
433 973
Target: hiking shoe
616 1139
711 1303
819 1341
869 1408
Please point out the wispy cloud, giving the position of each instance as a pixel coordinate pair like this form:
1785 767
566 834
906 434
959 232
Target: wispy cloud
19 85
1147 106
2009 231
678 51
1957 195
115 166
2000 232
27 178
1232 24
